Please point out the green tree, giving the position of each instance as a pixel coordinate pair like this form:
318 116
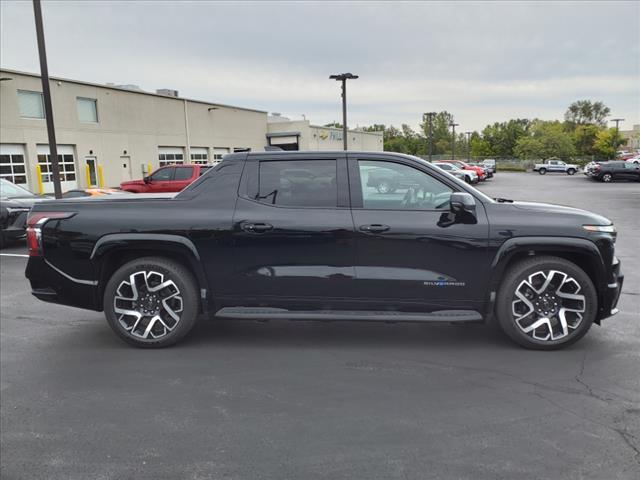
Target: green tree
584 112
442 134
503 137
607 143
584 137
547 140
333 124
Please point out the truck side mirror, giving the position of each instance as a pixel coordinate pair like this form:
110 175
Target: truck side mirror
462 202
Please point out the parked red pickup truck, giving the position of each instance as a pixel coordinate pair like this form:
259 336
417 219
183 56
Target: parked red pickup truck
172 178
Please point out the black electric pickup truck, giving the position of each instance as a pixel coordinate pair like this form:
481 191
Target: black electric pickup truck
307 236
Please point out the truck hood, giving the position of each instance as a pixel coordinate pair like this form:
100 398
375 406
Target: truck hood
587 217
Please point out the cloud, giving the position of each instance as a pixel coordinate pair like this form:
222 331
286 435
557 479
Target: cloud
482 61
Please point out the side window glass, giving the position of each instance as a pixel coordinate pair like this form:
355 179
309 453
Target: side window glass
163 174
298 183
183 173
393 186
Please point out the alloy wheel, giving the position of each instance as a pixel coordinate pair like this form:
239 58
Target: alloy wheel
606 177
548 305
384 187
148 306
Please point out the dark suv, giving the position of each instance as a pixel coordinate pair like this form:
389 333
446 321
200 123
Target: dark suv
311 235
615 170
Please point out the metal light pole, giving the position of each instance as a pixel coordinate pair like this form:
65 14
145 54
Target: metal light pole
430 116
453 142
615 139
343 77
46 91
468 134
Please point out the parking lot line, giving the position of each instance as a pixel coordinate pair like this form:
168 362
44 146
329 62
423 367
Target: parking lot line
14 255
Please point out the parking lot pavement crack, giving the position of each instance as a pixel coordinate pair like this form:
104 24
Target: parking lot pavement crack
588 387
587 391
623 434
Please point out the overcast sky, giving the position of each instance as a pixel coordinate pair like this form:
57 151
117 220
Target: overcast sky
482 61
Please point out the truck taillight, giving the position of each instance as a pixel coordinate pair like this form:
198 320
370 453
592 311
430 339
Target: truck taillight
35 222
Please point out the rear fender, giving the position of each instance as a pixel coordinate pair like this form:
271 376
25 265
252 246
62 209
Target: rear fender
156 244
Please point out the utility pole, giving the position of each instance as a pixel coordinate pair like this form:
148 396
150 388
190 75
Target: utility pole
430 116
615 139
453 142
46 92
468 134
343 77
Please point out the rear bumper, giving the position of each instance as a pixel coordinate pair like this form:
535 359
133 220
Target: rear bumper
611 294
50 284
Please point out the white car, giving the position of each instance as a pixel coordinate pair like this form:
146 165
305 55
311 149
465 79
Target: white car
468 176
635 159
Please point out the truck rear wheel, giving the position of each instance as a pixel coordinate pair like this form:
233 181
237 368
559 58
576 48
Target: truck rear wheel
546 303
151 302
571 171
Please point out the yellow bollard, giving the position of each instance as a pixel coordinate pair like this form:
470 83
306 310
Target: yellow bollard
149 169
39 176
101 176
88 174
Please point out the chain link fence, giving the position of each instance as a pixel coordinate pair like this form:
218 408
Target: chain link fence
509 164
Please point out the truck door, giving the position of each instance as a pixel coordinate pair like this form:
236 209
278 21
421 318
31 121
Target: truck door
409 254
293 232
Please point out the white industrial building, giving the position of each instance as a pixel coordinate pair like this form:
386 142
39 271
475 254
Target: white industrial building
125 129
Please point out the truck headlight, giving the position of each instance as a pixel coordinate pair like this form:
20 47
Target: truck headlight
600 228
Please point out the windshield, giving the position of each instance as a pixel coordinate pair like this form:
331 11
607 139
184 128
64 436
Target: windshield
10 190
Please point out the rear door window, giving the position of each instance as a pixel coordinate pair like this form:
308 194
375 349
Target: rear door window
298 183
183 173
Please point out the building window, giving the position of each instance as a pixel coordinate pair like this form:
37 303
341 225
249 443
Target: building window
66 165
87 110
31 104
218 153
165 159
199 155
12 168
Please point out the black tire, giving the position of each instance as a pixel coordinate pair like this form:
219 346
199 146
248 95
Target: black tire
187 289
571 171
521 271
2 241
542 171
606 177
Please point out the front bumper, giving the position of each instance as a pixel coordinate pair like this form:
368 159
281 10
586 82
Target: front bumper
611 294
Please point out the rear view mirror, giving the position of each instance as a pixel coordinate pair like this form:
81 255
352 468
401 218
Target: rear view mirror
462 202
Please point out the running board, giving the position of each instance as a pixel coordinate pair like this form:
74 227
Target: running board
259 313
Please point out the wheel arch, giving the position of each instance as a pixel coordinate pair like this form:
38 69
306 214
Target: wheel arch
114 250
582 252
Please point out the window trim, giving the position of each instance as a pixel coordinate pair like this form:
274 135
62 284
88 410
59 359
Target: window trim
44 112
250 182
357 196
95 102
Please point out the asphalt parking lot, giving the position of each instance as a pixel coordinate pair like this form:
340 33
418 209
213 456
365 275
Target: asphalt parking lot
311 400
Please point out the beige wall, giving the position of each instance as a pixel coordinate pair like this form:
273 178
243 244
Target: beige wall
128 121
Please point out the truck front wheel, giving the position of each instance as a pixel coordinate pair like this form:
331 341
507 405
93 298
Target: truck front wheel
542 171
546 303
151 302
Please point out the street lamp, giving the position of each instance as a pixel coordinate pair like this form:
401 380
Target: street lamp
430 116
46 93
615 139
453 142
468 134
343 77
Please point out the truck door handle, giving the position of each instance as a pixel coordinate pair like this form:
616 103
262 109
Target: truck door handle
256 227
374 228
